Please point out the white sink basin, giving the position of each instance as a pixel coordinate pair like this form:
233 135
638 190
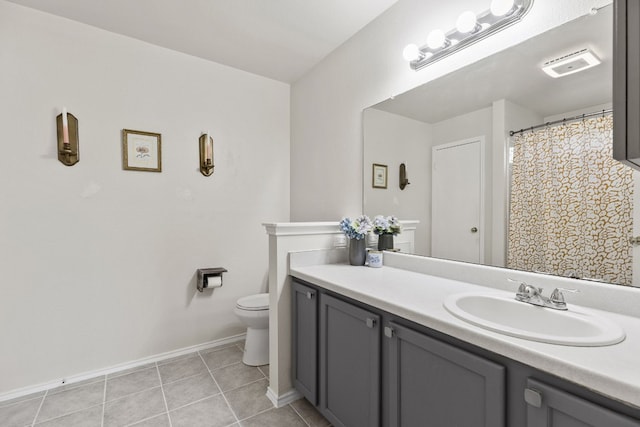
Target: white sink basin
575 327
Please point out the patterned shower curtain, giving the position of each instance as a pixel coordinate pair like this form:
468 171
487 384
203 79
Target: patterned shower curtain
571 204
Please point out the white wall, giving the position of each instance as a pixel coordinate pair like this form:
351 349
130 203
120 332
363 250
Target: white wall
392 140
98 264
326 104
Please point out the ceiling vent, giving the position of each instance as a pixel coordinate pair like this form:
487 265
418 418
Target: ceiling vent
570 63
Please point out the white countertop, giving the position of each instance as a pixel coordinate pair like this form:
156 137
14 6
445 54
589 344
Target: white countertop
613 371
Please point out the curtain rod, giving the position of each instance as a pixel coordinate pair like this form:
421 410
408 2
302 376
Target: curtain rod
565 120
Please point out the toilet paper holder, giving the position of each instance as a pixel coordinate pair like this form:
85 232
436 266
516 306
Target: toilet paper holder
204 274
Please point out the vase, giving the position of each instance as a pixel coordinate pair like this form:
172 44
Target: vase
357 251
385 241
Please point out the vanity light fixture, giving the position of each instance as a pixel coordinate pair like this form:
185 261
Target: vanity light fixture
470 28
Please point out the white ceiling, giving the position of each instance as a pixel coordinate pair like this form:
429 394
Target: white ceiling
515 74
279 39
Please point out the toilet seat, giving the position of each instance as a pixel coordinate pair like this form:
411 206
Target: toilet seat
257 302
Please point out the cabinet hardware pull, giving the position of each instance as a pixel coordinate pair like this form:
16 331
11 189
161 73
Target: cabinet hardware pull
310 295
389 332
533 397
371 323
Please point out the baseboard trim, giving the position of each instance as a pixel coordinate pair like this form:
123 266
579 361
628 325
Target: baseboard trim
284 399
119 367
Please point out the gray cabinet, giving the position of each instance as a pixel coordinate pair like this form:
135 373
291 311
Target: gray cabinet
305 338
410 375
626 82
550 407
349 364
432 383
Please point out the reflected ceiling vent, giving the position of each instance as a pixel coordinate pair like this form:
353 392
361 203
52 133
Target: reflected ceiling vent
570 63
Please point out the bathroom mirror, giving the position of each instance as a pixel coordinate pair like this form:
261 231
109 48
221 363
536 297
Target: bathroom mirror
453 136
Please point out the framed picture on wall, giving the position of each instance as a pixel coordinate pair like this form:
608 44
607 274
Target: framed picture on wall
141 151
379 176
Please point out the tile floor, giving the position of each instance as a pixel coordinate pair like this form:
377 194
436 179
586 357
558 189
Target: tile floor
210 388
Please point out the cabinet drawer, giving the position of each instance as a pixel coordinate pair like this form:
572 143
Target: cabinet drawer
550 407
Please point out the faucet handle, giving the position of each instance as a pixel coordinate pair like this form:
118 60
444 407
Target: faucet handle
557 296
526 291
522 286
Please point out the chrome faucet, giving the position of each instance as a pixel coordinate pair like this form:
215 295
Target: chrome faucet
533 295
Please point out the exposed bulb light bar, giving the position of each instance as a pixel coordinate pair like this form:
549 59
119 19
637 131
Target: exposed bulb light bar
469 29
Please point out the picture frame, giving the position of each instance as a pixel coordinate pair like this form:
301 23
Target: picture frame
379 176
141 151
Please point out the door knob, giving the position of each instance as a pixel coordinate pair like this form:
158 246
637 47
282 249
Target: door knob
474 229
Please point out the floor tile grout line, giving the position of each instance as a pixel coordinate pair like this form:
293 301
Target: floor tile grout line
133 370
51 395
3 405
213 395
147 419
77 385
219 388
258 413
39 408
131 394
243 385
217 368
66 414
104 401
137 371
164 398
195 401
304 420
184 379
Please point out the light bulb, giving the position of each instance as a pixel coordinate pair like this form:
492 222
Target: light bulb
467 22
436 39
501 7
411 52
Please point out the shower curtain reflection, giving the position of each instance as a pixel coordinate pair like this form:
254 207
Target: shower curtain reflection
571 204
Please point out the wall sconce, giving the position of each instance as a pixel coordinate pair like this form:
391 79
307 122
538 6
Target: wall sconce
68 144
404 181
469 29
206 154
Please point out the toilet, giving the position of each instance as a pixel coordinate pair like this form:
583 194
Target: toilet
253 311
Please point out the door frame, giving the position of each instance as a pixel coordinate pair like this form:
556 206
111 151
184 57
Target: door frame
482 217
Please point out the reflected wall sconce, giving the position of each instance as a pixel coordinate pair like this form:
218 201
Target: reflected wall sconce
206 154
404 181
68 145
470 28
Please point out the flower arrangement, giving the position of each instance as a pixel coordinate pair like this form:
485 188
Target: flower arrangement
386 225
357 228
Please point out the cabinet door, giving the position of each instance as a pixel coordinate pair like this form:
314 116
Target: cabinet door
349 364
433 384
626 82
305 341
550 407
